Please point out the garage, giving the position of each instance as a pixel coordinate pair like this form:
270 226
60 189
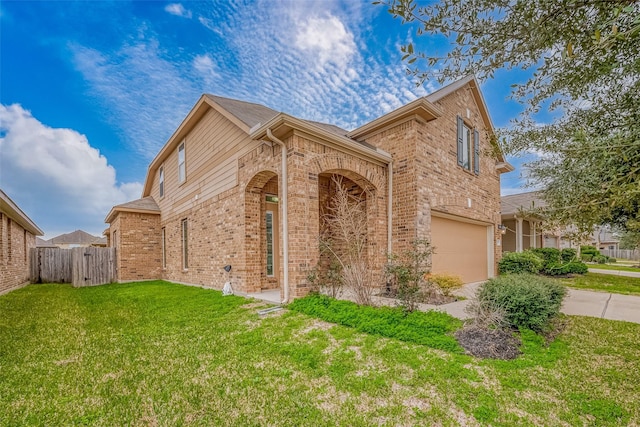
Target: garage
461 248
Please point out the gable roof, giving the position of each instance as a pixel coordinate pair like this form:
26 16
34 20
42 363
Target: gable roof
145 205
427 109
11 209
473 84
420 107
254 119
247 112
75 237
514 203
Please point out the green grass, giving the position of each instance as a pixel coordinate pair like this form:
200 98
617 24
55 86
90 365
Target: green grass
605 282
157 353
615 267
433 329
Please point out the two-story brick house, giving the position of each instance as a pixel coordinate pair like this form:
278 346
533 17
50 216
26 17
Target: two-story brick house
220 192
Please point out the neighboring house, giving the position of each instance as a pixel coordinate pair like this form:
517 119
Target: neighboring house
75 239
17 236
215 194
605 239
523 225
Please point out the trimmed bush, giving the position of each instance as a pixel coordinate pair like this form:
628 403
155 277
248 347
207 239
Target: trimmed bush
612 260
548 255
589 250
600 259
523 262
586 257
528 301
568 255
562 268
577 267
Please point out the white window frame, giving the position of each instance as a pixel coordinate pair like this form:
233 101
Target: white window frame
161 181
182 160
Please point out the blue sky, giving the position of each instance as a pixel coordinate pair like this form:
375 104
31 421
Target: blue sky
90 91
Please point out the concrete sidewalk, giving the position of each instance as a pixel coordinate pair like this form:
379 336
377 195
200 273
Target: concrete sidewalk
603 305
615 272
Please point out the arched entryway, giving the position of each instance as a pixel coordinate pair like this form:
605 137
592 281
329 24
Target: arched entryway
262 233
351 229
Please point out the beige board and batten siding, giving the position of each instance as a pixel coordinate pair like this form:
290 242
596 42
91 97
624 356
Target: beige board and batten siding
461 248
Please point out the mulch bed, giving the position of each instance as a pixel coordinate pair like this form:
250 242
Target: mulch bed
489 343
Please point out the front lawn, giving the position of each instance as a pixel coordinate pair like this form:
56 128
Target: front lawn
157 353
604 282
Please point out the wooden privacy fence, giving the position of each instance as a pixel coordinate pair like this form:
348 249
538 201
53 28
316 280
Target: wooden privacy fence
80 266
622 253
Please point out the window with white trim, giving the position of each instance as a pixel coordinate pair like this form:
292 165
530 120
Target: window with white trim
161 180
182 171
468 147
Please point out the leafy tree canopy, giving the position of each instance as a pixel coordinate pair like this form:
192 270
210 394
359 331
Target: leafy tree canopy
584 58
630 240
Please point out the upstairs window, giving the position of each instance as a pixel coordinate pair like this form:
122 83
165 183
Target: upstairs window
182 172
161 179
468 147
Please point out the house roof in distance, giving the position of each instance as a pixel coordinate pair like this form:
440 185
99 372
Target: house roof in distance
11 209
512 204
78 237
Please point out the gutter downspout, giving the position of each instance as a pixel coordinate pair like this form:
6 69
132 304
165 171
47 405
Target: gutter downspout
390 210
285 209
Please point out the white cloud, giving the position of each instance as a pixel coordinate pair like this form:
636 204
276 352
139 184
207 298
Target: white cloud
178 10
143 94
326 40
206 67
56 176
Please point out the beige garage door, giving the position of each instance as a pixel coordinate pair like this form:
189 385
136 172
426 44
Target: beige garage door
460 249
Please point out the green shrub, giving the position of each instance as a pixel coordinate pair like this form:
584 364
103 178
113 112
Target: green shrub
523 262
432 328
586 257
528 301
406 273
612 260
577 267
589 250
548 255
562 268
568 255
600 259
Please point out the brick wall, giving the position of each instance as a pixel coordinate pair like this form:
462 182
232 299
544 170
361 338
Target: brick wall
426 176
137 238
15 244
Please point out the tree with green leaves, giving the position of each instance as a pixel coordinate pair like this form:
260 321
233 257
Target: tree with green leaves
583 57
630 240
